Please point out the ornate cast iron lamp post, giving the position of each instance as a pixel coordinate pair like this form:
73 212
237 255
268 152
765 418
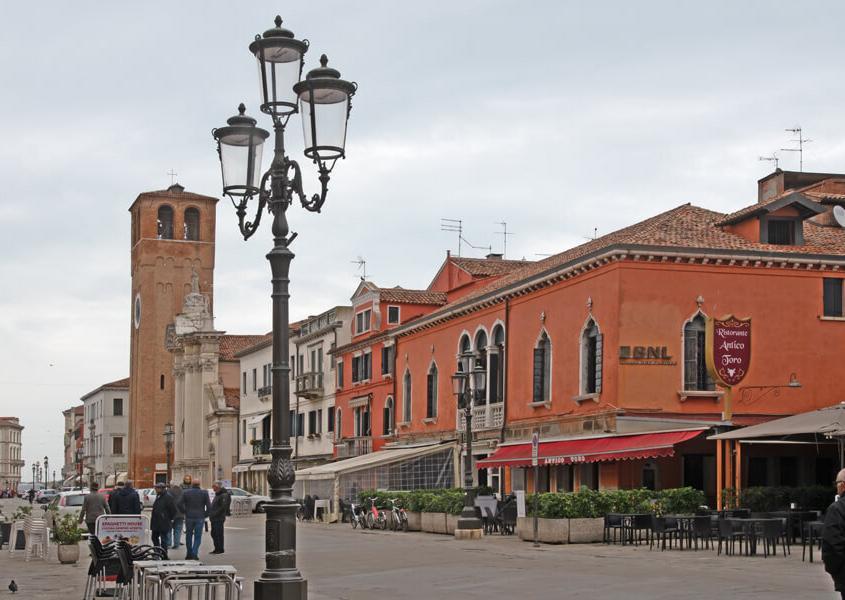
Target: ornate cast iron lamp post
325 101
46 471
168 434
462 389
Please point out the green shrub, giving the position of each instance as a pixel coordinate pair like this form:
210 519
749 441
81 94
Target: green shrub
66 530
773 498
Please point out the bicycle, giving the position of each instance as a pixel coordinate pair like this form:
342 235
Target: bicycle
357 516
399 518
375 517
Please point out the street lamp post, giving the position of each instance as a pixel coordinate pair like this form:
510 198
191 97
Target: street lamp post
34 469
92 454
463 390
46 471
325 101
169 434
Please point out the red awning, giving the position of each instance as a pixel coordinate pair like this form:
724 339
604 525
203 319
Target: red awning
586 450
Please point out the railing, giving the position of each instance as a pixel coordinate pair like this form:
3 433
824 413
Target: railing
261 447
486 416
357 446
264 392
309 384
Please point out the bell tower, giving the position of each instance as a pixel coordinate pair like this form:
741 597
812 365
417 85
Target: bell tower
172 247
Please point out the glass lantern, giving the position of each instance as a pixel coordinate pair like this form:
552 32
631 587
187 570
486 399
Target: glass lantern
280 60
240 145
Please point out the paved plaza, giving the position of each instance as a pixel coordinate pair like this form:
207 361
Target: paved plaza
341 563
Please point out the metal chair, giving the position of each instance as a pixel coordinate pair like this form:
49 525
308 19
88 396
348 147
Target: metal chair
612 524
702 529
773 532
729 535
662 529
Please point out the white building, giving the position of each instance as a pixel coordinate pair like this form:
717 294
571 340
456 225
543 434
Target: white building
106 430
312 384
10 453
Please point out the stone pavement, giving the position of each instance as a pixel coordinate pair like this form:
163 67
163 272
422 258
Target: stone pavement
341 563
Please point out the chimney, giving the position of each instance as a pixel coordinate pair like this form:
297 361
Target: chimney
770 186
494 256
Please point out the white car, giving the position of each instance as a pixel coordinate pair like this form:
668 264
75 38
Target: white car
256 501
64 503
148 496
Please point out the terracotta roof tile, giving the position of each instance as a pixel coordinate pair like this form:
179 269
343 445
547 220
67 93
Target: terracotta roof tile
230 345
233 397
684 227
399 294
487 267
120 383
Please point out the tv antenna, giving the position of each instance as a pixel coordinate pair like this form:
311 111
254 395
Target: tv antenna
362 266
504 233
594 236
453 225
800 141
773 158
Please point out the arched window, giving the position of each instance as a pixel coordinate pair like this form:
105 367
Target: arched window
406 397
192 224
431 393
591 359
542 372
481 363
496 378
696 377
387 423
165 222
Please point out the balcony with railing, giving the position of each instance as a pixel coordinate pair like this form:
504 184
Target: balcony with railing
486 416
309 385
356 446
264 393
260 447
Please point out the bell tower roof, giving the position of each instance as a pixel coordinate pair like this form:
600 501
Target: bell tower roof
175 192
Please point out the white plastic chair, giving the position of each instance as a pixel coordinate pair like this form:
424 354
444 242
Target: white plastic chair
37 537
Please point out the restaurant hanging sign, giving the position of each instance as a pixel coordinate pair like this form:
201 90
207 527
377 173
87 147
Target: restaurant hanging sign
728 349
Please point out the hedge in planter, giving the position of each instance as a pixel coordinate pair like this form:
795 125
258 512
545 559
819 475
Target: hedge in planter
587 503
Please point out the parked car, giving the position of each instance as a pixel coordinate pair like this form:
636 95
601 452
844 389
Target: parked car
44 496
148 496
64 503
256 501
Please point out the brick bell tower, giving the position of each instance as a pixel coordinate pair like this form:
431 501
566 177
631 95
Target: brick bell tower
172 237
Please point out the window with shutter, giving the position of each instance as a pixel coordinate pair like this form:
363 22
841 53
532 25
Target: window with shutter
431 394
591 345
406 400
355 361
385 424
832 289
330 416
300 424
696 377
598 361
539 362
340 374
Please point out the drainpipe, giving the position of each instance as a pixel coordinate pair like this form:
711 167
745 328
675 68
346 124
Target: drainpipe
504 367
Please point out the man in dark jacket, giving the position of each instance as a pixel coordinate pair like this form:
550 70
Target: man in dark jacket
194 504
125 500
217 515
833 538
179 519
161 520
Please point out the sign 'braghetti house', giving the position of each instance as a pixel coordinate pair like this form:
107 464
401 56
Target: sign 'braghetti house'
601 348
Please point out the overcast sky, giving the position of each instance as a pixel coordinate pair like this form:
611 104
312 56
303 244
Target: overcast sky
555 117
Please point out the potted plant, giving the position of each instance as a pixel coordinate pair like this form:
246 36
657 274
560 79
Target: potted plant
67 534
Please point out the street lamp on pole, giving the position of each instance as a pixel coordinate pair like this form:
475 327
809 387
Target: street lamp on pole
92 454
325 101
169 435
46 471
464 391
34 470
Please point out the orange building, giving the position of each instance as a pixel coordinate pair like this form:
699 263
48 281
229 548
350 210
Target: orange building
600 348
172 237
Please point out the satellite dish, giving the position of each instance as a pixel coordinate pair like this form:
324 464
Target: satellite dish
839 215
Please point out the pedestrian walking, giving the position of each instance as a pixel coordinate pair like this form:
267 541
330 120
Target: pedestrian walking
194 504
179 519
217 515
31 494
125 500
93 505
161 519
833 538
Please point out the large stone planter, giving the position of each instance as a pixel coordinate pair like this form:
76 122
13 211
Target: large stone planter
549 531
433 522
68 553
586 531
414 520
451 523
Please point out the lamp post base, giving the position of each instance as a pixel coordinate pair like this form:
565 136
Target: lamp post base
468 534
281 590
468 520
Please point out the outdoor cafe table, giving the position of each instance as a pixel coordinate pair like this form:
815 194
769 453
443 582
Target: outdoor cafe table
749 527
628 522
138 566
155 578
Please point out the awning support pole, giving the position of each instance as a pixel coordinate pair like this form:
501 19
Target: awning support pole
738 470
719 474
729 465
